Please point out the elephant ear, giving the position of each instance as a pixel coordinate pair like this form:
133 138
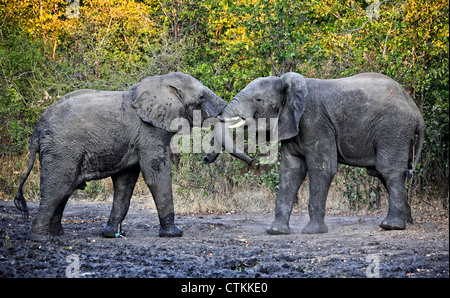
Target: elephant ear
295 90
158 101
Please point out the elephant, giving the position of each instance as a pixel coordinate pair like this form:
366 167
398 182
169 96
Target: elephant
367 120
90 134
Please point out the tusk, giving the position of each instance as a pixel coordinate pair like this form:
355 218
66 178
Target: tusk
232 119
239 124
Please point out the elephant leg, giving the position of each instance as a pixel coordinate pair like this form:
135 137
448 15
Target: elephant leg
56 228
399 211
158 178
392 165
55 191
375 173
319 184
292 174
123 190
40 227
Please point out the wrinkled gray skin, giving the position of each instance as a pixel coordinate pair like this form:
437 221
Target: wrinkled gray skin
89 134
367 120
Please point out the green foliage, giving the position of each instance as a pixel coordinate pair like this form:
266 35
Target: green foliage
267 176
18 109
360 191
45 53
94 189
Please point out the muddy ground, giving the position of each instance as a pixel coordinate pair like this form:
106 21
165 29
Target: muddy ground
228 245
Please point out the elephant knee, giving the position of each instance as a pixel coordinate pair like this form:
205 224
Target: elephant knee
324 169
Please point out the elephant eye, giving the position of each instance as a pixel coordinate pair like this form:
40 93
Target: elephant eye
258 99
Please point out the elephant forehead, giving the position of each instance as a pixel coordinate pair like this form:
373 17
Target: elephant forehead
264 82
260 86
265 93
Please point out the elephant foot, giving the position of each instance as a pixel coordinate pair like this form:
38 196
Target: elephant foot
278 229
42 232
172 231
42 238
314 227
113 232
393 223
57 230
168 228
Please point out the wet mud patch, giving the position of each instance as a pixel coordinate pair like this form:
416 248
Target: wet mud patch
232 246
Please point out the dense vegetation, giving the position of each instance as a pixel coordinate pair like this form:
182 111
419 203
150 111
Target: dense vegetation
51 47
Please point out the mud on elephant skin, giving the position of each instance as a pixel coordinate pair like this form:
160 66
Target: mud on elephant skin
90 134
367 120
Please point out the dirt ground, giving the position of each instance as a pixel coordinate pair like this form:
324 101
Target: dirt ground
225 245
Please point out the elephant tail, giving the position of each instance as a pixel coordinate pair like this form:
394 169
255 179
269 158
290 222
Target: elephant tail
19 199
420 131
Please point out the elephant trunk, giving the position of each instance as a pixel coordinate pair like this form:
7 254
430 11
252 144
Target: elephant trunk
223 135
226 140
238 108
214 106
